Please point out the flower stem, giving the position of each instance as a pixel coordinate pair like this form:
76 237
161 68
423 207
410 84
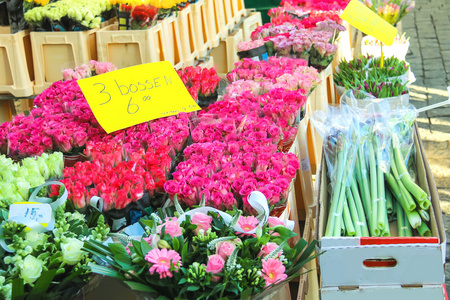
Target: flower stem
381 200
348 222
420 195
353 212
424 230
334 217
359 208
375 231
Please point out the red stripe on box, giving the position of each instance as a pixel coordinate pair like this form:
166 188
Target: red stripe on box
397 240
445 292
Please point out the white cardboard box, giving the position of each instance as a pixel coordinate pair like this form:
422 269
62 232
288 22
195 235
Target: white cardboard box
407 261
393 292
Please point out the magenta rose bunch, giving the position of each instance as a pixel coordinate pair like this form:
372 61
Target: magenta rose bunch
200 254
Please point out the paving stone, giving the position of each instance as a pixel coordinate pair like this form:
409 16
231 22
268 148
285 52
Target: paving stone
430 53
436 72
445 46
437 97
419 86
436 82
439 112
433 64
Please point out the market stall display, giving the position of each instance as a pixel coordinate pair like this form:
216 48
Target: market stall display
214 204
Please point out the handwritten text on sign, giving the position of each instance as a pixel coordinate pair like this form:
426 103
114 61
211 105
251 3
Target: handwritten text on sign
39 212
362 18
138 94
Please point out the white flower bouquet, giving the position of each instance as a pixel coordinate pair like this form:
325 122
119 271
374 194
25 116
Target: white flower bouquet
45 260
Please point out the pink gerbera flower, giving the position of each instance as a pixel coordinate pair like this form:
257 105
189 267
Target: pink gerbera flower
248 223
273 271
161 260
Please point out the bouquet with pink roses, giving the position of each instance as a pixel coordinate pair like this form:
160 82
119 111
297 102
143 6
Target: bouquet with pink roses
204 254
88 70
118 182
202 84
62 121
279 72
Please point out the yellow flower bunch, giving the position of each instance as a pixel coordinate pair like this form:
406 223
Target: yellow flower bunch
130 2
165 3
39 2
156 3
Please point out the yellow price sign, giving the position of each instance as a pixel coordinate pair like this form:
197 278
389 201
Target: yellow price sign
361 17
137 94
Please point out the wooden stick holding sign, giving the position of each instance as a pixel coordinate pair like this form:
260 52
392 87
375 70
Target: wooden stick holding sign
361 17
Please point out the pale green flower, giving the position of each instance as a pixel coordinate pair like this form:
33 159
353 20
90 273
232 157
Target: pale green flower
23 187
71 251
35 239
31 269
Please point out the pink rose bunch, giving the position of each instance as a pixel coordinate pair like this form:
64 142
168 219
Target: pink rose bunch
302 43
225 173
62 122
271 29
88 70
287 73
117 182
242 85
247 45
200 82
172 132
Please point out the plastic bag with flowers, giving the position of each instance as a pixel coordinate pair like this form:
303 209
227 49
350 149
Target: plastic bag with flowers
45 261
206 254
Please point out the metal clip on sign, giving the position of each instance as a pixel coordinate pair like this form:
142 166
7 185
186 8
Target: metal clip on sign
433 106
